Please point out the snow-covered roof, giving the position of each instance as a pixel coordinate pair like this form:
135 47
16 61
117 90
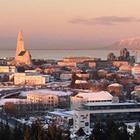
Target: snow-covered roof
63 113
137 88
95 96
8 88
11 100
81 82
125 67
44 92
23 94
115 85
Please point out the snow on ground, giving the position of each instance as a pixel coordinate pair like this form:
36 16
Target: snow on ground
131 127
23 94
7 88
48 92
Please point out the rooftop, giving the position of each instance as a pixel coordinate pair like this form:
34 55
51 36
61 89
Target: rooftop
109 104
95 96
44 92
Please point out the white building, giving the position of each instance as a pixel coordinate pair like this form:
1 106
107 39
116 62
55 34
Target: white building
62 117
102 106
75 119
90 107
136 70
80 98
7 69
30 79
81 119
43 98
47 97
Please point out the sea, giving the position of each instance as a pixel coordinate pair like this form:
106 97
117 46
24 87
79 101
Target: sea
59 54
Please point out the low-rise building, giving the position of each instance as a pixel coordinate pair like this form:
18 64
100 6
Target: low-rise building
125 68
118 63
115 88
83 75
49 98
66 76
72 61
81 119
136 70
102 64
30 79
83 97
7 69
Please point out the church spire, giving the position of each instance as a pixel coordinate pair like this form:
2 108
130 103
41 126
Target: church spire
20 43
22 55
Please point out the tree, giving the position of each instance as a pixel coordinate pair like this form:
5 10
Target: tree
55 133
74 78
7 132
98 132
5 78
10 108
111 56
2 131
123 134
18 133
80 132
112 130
27 133
136 134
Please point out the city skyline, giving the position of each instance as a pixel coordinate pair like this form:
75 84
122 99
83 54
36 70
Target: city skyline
68 24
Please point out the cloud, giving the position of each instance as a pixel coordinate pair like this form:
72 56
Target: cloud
104 20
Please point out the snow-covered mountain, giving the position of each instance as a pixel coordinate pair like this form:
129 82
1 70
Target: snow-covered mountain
132 43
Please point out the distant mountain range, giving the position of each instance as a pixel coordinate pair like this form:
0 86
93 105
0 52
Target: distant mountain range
132 43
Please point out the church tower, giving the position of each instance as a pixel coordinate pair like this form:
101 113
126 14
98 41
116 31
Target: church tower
20 44
22 56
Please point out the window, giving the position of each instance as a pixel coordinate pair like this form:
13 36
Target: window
86 123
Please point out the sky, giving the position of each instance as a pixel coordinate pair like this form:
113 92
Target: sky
68 24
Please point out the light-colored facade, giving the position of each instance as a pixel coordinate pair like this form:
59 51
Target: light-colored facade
136 70
83 75
7 69
125 68
116 88
29 79
81 119
35 80
76 59
98 106
80 98
92 64
22 56
63 63
119 63
47 97
72 61
43 98
19 78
